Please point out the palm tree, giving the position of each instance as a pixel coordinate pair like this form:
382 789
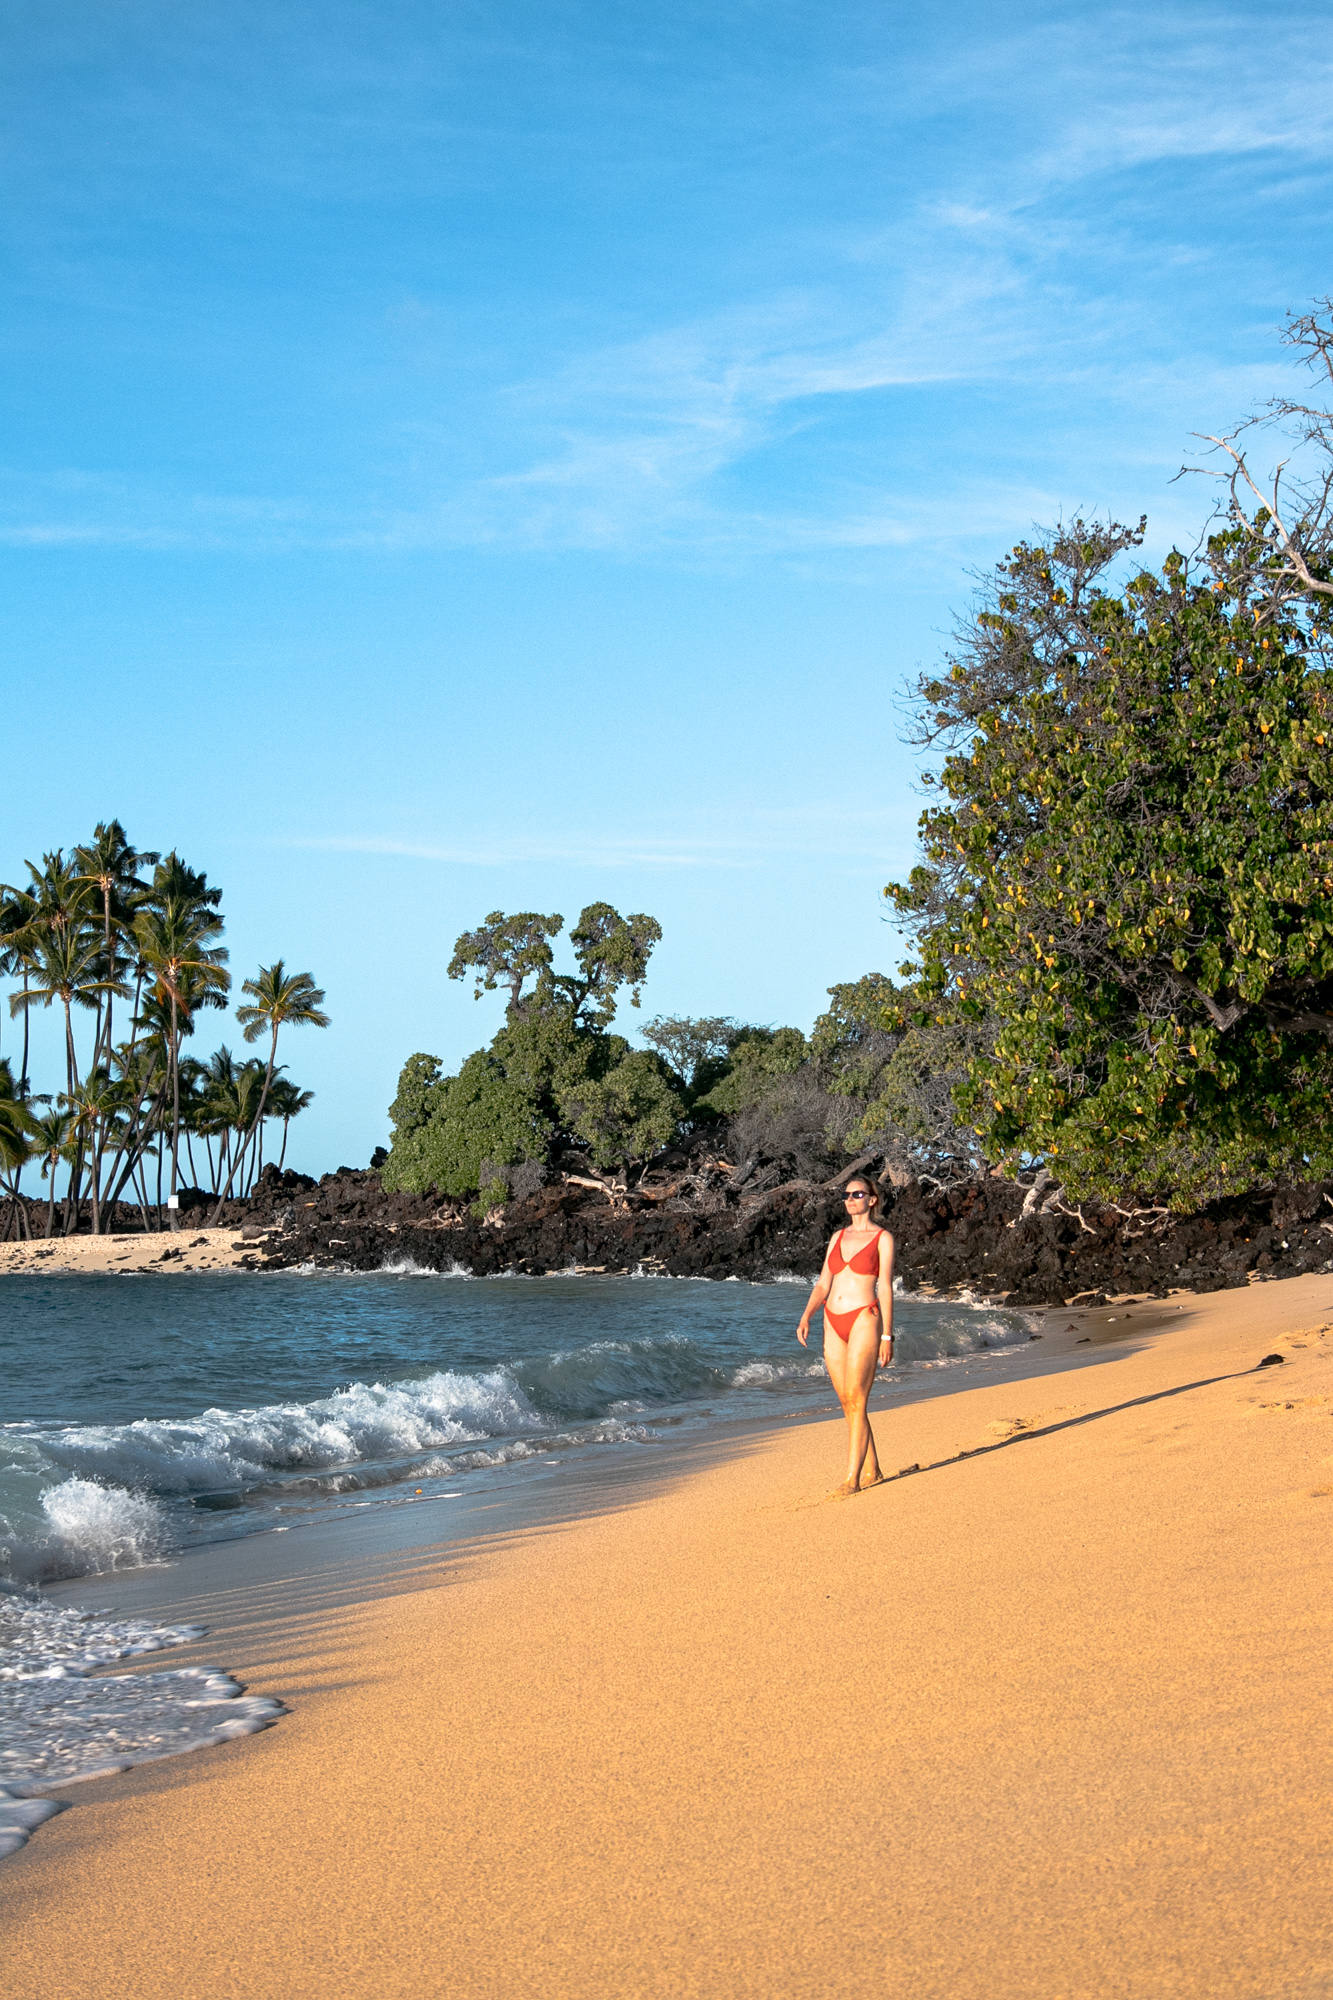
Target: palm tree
217 1110
285 1101
16 1123
65 964
51 1135
18 909
110 868
175 938
93 1109
140 1067
277 999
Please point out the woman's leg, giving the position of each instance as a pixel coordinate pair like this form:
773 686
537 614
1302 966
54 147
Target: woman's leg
851 1367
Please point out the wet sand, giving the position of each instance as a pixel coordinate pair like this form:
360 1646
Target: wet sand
1046 1717
183 1250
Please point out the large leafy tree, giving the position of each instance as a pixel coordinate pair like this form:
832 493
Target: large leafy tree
1130 868
546 1079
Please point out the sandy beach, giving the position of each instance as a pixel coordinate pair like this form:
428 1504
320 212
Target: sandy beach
186 1249
1045 1717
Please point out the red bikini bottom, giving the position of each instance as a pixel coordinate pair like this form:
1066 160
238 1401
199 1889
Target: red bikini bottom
842 1323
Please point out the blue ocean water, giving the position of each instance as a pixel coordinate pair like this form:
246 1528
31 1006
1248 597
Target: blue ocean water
144 1416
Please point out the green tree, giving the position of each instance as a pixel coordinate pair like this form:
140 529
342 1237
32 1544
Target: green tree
696 1050
627 1114
757 1057
109 866
53 1146
287 1101
1131 867
277 999
509 1103
176 937
16 1131
507 951
898 1059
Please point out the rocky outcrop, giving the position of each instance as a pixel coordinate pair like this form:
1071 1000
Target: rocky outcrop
989 1238
972 1239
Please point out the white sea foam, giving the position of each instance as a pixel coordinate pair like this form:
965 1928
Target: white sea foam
754 1373
407 1267
224 1449
62 1719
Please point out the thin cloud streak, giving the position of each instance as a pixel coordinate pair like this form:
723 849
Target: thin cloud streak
824 837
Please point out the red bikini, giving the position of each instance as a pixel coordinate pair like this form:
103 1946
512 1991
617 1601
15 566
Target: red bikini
842 1323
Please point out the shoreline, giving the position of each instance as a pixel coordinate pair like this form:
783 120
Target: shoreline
1084 1678
981 1237
117 1256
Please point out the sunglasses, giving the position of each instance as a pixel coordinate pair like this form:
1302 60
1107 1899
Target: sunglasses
859 1195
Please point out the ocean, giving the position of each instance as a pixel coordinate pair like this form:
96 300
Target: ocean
146 1416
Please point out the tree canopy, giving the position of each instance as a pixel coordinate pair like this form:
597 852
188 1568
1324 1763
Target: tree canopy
1130 872
96 928
553 1076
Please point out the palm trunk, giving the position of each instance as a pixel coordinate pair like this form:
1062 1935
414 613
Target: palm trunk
73 1186
141 1189
283 1154
23 1087
175 1105
128 1151
51 1202
263 1100
106 937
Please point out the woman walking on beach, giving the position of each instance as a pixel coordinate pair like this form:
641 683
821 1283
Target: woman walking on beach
855 1290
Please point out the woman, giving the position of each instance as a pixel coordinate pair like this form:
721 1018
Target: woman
855 1289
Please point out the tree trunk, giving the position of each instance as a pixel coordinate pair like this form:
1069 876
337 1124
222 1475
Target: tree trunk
259 1115
73 1186
174 1218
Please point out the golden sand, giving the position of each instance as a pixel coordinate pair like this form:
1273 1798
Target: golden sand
190 1250
1050 1720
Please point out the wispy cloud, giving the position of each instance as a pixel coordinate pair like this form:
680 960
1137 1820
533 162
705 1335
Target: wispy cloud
786 421
761 837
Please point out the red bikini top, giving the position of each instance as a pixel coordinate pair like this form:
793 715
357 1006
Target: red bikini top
837 1262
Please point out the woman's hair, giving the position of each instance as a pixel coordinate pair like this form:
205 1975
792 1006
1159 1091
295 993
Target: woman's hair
872 1185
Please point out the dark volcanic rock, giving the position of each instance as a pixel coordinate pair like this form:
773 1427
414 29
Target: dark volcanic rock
972 1239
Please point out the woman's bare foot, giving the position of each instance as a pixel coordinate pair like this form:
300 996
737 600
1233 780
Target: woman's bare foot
876 1478
845 1491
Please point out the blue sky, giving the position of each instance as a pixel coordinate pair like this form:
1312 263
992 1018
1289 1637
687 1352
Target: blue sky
460 457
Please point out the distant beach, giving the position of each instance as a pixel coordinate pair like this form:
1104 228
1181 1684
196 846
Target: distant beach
1038 1717
187 1250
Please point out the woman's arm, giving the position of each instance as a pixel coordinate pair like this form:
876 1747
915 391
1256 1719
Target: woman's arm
884 1293
815 1300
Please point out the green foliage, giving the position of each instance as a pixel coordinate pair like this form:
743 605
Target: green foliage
1131 871
506 951
626 1114
757 1057
892 1052
552 1075
610 951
